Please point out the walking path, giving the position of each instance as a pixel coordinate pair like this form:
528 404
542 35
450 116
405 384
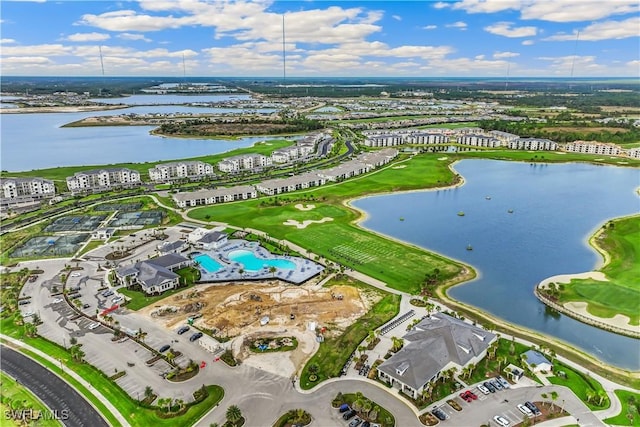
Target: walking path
16 343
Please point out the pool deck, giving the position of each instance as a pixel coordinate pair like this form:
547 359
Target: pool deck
230 271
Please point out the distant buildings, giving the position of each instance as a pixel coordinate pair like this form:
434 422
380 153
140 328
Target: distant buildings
478 140
98 180
532 144
244 162
192 170
277 186
593 147
19 190
634 153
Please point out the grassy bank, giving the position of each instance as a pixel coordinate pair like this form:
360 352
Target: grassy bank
586 389
17 397
630 413
619 241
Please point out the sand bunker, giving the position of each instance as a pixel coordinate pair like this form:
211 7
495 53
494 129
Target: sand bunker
306 222
302 207
399 167
442 158
619 320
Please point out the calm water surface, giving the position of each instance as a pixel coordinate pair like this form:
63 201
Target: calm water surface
555 208
36 141
171 99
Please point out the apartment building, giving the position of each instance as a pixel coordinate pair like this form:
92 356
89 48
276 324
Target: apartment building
244 162
17 190
384 140
218 195
192 170
478 140
504 137
593 147
634 153
532 144
276 186
427 138
98 180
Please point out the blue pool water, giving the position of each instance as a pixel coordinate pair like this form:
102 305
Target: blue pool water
208 263
253 263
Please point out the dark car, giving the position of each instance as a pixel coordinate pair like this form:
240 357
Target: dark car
366 424
85 305
355 422
533 408
439 414
164 348
183 329
349 415
344 407
490 386
24 301
195 336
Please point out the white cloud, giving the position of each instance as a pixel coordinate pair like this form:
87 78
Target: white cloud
505 29
554 11
7 41
87 37
38 50
441 5
24 60
580 65
603 31
429 27
461 25
500 55
130 36
527 42
397 17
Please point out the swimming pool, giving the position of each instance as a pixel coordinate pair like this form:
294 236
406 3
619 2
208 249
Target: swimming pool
208 263
252 263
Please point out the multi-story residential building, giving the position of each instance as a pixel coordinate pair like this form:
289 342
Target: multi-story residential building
634 153
218 195
344 171
478 140
102 180
17 190
192 170
532 144
287 154
427 138
504 137
244 162
384 140
378 158
276 186
593 147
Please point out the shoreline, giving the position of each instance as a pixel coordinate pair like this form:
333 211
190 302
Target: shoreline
63 109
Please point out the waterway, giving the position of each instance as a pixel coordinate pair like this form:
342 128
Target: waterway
555 208
37 141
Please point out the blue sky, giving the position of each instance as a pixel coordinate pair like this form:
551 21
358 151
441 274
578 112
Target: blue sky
323 38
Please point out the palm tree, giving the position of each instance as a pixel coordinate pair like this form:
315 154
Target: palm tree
362 349
554 397
371 337
590 394
602 395
76 353
272 270
148 392
234 414
397 344
501 360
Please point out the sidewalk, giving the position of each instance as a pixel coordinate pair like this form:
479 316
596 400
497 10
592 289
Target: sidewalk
75 376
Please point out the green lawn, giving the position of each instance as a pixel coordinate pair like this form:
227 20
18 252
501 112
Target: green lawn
580 384
140 300
334 352
488 368
15 396
620 239
550 157
128 407
340 240
630 412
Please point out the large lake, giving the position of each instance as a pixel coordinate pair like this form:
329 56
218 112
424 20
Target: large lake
37 141
556 207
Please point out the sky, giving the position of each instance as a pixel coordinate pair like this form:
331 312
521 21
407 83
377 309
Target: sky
325 38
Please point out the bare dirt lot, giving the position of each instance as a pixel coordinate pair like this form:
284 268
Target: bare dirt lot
236 310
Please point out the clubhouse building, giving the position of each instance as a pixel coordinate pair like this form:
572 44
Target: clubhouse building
155 275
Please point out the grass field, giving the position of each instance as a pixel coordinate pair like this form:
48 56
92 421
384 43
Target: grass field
630 413
17 397
579 385
334 352
620 240
140 300
399 265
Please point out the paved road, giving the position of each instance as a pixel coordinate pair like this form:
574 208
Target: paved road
56 394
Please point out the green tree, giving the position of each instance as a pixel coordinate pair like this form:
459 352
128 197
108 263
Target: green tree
233 414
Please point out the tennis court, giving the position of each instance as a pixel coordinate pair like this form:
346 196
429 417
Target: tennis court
122 207
50 246
75 223
139 218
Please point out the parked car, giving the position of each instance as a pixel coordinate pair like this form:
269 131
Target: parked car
501 421
57 300
164 348
183 329
490 386
85 305
24 301
366 424
355 422
75 274
496 384
344 408
117 299
483 389
348 415
528 412
107 293
74 288
195 336
94 325
533 408
439 413
504 383
465 396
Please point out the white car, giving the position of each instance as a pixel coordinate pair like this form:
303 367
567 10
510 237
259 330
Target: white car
75 274
27 314
501 421
525 410
117 300
93 326
57 300
483 389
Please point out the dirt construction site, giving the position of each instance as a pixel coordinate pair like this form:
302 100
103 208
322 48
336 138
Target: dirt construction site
240 310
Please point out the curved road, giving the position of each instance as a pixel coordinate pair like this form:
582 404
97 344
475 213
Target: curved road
73 410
